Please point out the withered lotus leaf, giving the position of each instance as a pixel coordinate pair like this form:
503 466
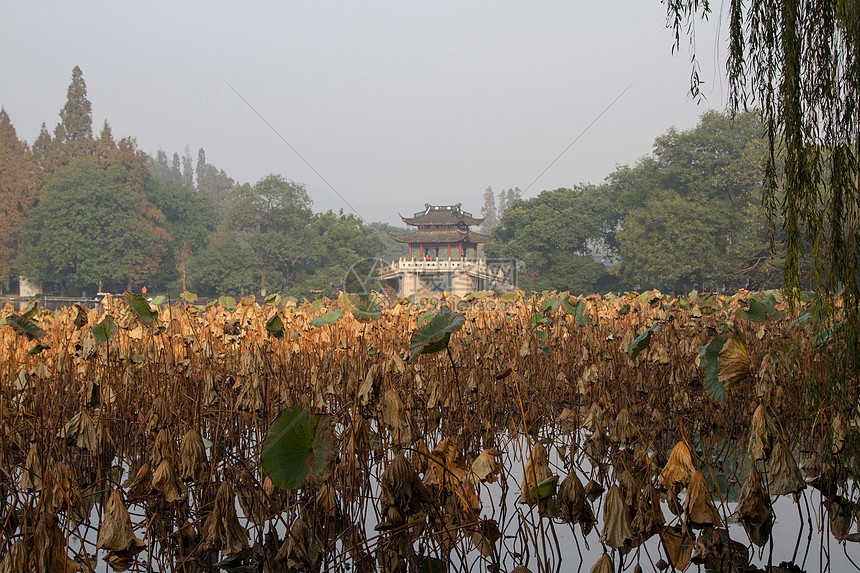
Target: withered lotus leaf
162 449
594 418
734 362
678 546
301 549
80 431
783 475
401 487
115 531
61 489
164 480
31 477
699 506
222 530
486 467
754 503
394 415
141 487
679 467
17 559
759 442
603 565
193 465
485 535
617 519
49 548
572 503
623 431
649 516
537 470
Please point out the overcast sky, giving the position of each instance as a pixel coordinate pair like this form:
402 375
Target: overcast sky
394 103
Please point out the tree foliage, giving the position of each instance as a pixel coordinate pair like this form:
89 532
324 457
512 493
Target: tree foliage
20 179
86 229
798 61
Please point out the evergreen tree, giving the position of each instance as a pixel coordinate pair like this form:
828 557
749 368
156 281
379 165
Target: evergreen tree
201 166
187 169
20 179
42 146
488 211
503 202
76 117
176 170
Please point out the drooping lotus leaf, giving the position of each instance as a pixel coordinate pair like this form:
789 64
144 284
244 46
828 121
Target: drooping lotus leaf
603 565
708 364
754 505
275 326
104 330
783 475
329 318
617 518
679 468
141 308
24 326
643 340
734 362
366 310
434 335
295 448
699 505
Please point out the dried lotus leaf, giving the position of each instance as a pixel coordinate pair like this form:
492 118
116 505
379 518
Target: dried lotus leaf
222 530
679 468
486 467
699 505
193 464
617 519
537 471
164 480
754 503
115 531
678 546
760 440
734 362
603 565
783 475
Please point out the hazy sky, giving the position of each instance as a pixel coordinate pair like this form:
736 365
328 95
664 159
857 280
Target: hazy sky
394 103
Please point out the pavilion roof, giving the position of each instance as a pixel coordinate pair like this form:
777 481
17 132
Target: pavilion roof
436 236
442 216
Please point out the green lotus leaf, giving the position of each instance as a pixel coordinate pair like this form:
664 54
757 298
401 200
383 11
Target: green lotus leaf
296 447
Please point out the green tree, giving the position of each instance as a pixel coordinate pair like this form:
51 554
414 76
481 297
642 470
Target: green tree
20 178
189 218
86 229
557 236
276 215
799 63
691 217
73 136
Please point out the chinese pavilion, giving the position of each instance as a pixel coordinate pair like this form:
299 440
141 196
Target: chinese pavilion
441 230
443 255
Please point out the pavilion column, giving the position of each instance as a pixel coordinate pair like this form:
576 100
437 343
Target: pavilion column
449 251
460 245
476 253
410 252
420 252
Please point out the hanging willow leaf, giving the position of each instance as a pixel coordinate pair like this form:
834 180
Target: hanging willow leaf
708 363
366 311
434 336
643 340
295 448
24 326
329 318
275 326
140 306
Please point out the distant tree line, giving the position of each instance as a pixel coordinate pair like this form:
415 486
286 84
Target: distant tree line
688 216
80 212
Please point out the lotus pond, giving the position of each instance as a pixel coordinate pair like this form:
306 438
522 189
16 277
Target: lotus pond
484 433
